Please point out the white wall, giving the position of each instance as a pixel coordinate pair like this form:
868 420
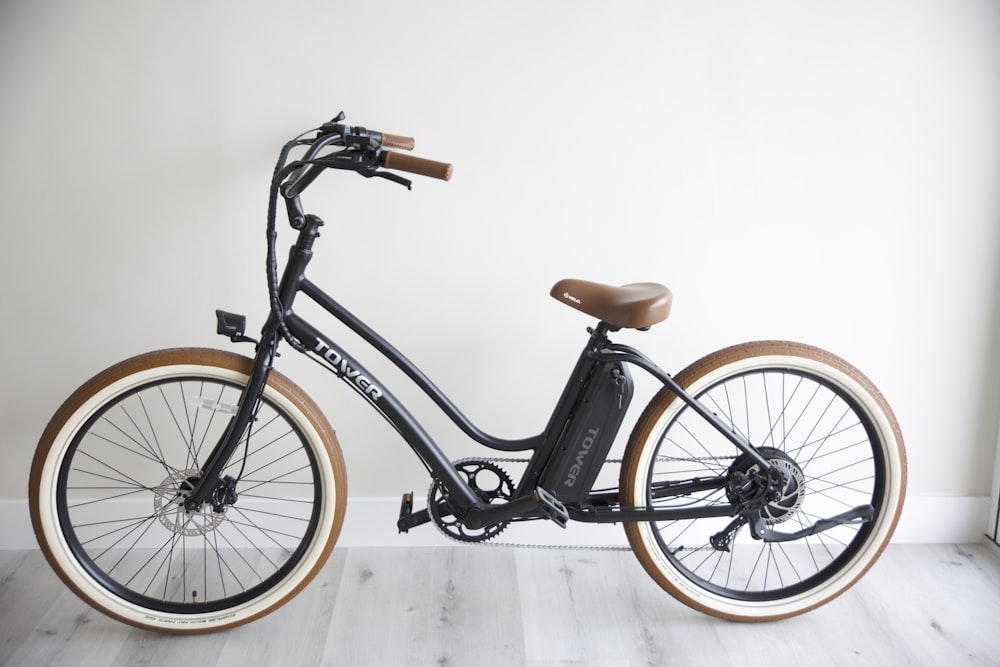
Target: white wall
825 172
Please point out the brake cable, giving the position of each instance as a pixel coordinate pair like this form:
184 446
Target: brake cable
363 161
281 171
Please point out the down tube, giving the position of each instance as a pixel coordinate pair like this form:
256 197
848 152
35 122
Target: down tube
375 394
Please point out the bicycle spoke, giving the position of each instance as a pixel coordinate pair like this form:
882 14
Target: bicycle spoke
134 522
279 479
135 485
211 420
104 498
145 453
122 475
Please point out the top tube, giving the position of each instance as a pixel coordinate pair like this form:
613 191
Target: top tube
355 324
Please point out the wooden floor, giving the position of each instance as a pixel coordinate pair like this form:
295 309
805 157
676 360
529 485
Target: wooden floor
920 605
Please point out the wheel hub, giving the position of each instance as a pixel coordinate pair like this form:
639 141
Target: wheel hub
168 505
780 506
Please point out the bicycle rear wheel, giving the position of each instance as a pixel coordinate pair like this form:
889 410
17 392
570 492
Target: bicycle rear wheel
811 414
109 479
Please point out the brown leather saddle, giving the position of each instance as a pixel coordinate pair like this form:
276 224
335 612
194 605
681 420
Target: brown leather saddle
632 306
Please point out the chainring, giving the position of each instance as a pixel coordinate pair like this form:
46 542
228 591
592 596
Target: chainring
488 481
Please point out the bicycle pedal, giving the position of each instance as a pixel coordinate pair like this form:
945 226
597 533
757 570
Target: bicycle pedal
405 510
550 507
407 517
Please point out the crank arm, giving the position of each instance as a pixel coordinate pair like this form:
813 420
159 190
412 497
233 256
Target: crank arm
760 531
539 503
413 519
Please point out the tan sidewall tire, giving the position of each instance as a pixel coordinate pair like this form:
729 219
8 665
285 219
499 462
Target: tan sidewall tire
708 370
75 412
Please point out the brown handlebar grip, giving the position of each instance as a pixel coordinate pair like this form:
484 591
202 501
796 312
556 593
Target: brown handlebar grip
398 141
416 165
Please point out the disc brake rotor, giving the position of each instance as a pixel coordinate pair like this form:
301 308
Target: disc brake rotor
168 505
792 492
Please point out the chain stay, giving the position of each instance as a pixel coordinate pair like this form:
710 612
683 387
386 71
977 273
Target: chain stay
561 547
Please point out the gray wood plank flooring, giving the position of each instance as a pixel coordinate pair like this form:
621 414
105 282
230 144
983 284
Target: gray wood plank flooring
920 605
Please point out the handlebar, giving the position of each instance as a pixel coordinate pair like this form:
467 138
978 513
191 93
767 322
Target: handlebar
363 151
360 150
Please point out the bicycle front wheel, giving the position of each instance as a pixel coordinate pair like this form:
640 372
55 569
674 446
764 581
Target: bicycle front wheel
110 475
808 412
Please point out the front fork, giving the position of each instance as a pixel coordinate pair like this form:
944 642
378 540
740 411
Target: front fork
212 487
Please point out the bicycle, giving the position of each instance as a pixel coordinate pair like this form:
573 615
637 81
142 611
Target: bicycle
193 490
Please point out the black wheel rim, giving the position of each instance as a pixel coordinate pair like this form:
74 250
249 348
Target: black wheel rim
138 450
813 422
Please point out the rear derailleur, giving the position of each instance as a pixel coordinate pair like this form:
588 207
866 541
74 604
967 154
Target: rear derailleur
766 498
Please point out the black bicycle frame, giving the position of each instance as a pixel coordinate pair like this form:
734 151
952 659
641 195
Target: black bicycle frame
550 449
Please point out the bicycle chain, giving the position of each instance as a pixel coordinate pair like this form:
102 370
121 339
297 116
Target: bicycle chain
561 547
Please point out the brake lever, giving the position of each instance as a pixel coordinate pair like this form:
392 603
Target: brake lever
362 162
389 176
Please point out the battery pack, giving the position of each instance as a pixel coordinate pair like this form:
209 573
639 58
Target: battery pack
590 433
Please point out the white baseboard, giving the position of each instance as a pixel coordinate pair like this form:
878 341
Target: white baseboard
943 520
371 522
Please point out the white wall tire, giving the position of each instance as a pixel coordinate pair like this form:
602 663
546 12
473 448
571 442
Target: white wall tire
803 574
286 559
